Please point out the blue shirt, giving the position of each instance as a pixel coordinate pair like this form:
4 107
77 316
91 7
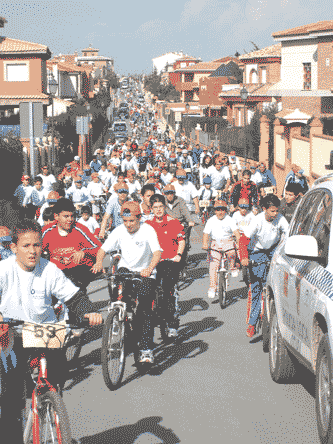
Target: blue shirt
267 177
196 154
95 166
113 209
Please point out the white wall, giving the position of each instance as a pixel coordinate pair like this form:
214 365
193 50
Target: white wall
249 69
160 62
293 55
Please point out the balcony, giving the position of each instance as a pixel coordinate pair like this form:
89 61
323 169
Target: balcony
186 86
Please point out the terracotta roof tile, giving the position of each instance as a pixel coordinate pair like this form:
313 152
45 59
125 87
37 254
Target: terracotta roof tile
269 51
14 45
184 58
202 66
258 89
326 25
90 49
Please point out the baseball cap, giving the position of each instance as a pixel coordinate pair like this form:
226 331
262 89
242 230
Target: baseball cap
5 234
52 197
121 187
207 180
184 152
220 203
76 158
169 188
181 173
130 209
78 179
232 153
25 178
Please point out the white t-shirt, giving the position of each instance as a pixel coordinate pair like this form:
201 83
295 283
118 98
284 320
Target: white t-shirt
256 177
136 249
48 181
95 189
264 234
220 229
27 295
205 194
91 224
187 191
243 221
219 178
134 187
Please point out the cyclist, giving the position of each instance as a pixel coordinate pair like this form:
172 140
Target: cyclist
220 228
258 243
27 284
187 191
244 189
5 241
220 175
292 196
147 191
171 237
141 253
70 245
113 208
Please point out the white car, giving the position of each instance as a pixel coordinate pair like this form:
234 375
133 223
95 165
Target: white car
298 301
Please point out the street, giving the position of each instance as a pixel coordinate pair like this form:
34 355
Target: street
211 385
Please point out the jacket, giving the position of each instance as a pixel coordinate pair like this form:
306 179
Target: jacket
179 210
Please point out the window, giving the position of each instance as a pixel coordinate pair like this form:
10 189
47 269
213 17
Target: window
253 76
263 75
306 213
182 65
321 225
17 72
307 76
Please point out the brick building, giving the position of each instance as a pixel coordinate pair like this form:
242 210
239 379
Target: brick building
261 70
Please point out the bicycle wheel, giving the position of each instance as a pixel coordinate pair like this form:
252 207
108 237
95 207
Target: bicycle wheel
222 288
53 423
111 276
113 350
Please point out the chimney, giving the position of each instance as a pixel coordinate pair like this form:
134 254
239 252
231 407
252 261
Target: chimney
2 22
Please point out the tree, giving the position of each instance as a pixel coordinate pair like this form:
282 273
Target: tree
167 92
152 82
255 46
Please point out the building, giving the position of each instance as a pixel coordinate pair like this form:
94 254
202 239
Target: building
306 82
166 61
90 57
210 87
182 62
190 75
261 71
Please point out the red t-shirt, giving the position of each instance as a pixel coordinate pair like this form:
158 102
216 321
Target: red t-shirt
169 233
61 248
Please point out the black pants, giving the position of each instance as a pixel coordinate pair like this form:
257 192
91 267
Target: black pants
144 292
19 385
167 276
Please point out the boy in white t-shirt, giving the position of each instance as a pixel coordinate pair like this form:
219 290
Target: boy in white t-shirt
140 253
243 216
220 228
88 221
27 285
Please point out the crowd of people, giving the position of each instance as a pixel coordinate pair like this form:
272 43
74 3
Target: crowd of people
141 196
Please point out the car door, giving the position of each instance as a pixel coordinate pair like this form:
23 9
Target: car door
291 269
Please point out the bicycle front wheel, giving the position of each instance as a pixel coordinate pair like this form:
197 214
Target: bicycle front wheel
222 288
53 423
113 350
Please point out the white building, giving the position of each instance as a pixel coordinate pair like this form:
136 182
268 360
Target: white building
169 58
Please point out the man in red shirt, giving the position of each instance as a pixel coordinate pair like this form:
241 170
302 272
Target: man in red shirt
171 237
70 245
244 189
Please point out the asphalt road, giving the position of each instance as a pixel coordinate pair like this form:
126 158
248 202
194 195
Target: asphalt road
211 386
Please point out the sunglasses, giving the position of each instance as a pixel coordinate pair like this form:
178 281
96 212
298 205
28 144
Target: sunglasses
122 191
244 206
169 192
181 177
220 208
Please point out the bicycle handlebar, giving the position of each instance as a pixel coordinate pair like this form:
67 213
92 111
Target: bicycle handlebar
16 322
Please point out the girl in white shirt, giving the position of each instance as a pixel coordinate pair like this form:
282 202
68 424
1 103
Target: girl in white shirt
220 228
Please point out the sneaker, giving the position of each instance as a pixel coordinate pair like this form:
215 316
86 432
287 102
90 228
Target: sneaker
146 356
211 293
172 333
250 332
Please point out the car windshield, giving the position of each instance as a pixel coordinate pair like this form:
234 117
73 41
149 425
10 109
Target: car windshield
120 127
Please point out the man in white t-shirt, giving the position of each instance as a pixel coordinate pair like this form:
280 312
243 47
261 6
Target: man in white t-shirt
140 253
48 179
258 244
88 221
220 175
27 285
220 228
187 191
243 216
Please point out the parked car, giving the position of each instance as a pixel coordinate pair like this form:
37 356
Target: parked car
120 130
298 301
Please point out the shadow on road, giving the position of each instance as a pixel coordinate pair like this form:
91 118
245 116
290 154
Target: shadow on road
83 370
192 275
129 433
187 306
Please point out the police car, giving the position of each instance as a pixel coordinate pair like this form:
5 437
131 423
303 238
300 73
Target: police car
298 301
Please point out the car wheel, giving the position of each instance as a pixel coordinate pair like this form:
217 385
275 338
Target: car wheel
281 365
324 391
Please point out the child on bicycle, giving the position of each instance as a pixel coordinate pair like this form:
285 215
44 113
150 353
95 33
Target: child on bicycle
27 284
221 229
258 244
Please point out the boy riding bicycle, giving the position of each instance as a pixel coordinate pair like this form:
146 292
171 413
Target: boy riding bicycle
258 244
28 284
140 253
221 228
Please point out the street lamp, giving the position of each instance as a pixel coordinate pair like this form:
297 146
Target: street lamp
187 107
244 95
53 87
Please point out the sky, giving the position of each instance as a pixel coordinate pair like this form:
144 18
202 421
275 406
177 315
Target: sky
134 32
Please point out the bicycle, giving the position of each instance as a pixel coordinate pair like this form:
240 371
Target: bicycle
206 212
45 419
222 278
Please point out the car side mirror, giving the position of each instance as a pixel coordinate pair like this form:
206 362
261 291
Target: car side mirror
301 246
